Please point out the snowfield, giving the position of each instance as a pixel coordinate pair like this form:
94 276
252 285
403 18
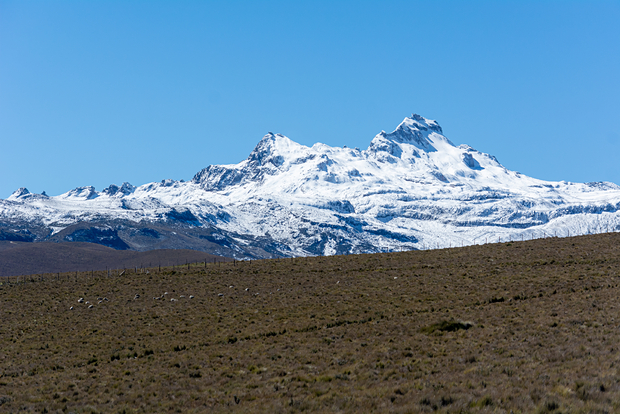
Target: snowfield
410 189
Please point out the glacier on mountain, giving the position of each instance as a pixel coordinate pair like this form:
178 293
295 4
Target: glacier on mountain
410 189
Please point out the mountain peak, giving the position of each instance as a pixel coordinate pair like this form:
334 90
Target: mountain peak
418 122
424 134
20 192
85 193
415 128
124 189
274 149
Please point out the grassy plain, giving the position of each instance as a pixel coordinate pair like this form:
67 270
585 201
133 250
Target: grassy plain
513 327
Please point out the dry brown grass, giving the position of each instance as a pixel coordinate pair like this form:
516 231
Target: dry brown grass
384 332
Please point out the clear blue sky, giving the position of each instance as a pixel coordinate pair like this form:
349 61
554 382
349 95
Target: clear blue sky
101 92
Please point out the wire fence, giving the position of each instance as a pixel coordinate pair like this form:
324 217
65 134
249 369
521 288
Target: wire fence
77 275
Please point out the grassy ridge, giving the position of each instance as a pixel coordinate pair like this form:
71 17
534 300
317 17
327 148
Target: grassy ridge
524 327
18 258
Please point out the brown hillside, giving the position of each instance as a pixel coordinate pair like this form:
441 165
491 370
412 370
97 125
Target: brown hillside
19 258
517 327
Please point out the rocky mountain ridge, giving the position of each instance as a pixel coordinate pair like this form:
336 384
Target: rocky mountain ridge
410 189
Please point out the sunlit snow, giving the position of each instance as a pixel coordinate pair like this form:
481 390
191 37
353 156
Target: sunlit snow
410 189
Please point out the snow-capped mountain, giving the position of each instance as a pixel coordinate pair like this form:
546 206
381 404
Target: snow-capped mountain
410 189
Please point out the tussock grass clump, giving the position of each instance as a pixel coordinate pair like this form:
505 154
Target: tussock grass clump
446 326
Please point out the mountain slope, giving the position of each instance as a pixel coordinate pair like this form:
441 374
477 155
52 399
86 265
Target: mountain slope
37 258
411 188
